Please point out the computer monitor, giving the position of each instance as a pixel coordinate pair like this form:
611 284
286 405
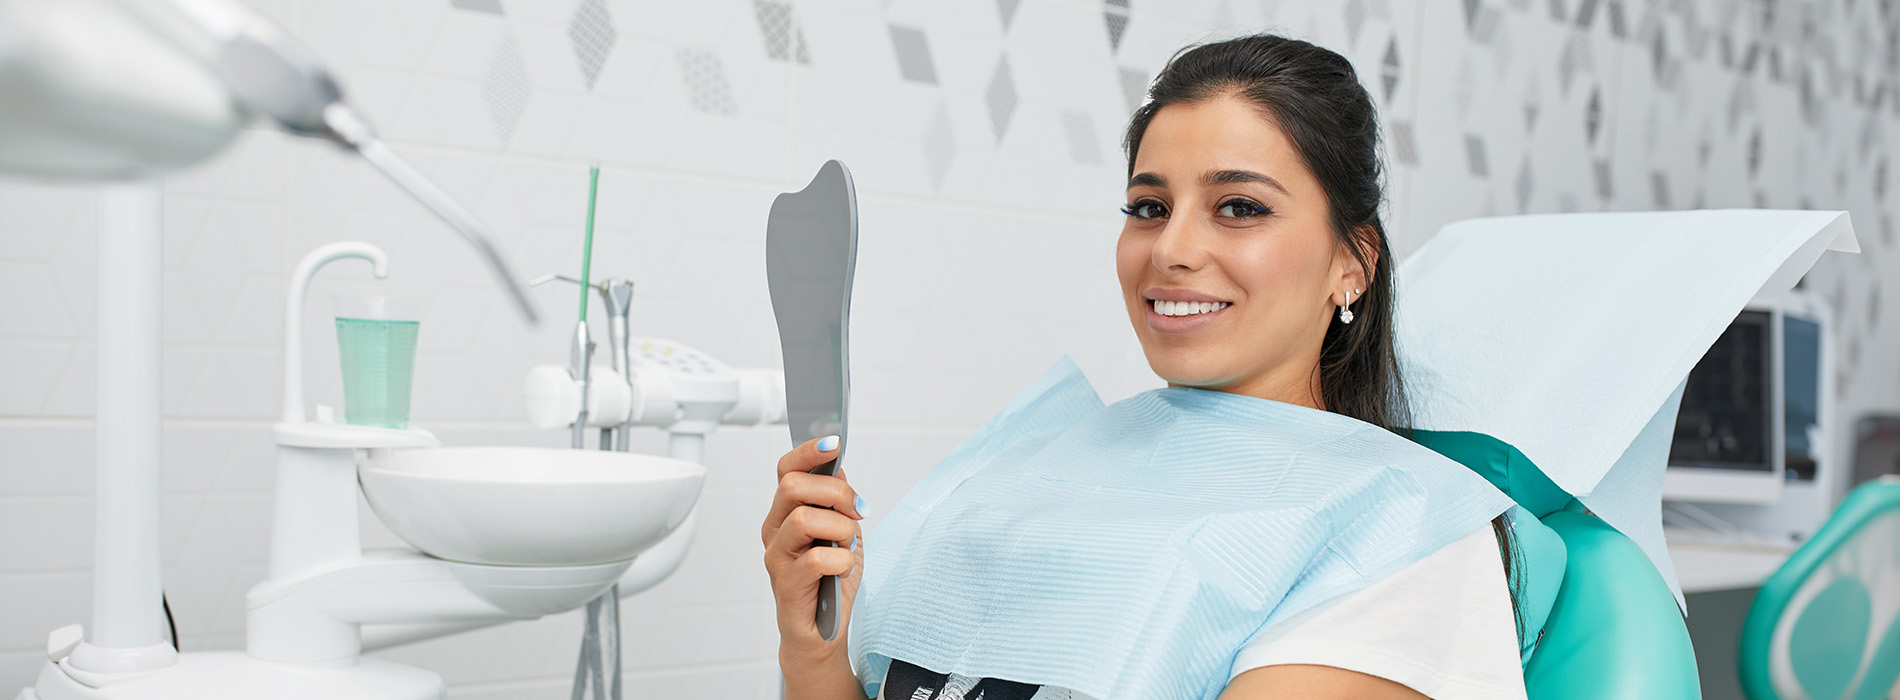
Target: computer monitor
1728 444
1780 479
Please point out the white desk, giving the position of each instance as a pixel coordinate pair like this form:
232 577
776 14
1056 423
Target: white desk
1702 566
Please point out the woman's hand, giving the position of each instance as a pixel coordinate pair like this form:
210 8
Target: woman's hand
807 508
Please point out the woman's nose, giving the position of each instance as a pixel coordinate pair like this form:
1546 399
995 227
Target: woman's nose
1181 247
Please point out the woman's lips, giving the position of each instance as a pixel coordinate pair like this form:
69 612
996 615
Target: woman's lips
1163 323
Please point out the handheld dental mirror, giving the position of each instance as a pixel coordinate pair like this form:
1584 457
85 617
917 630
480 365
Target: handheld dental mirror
811 250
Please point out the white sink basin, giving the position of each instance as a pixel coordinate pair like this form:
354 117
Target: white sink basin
528 506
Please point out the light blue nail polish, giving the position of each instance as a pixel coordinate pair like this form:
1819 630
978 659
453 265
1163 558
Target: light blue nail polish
860 505
854 543
827 443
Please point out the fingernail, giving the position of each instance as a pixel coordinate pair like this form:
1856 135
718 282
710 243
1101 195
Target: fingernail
859 505
854 543
828 443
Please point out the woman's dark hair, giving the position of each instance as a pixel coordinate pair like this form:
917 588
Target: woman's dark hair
1314 96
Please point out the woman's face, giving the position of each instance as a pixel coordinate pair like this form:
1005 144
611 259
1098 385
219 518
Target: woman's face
1228 262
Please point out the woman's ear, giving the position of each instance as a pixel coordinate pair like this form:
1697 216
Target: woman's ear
1353 274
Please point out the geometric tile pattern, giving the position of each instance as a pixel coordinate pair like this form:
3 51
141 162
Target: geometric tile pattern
1475 161
1404 144
704 76
1115 15
1484 29
1000 98
492 7
1586 13
778 24
592 32
1389 69
1526 184
1593 114
913 55
505 88
1574 60
1356 12
1007 8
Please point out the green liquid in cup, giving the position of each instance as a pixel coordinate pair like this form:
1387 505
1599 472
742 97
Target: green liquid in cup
379 361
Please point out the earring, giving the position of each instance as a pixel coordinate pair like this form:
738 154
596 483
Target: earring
1345 314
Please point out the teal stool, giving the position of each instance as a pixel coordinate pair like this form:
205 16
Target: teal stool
1826 625
1601 621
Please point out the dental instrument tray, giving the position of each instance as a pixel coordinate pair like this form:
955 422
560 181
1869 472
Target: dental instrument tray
811 248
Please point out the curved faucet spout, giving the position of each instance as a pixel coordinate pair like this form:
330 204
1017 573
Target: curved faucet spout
293 312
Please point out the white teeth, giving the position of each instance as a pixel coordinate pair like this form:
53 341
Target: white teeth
1187 308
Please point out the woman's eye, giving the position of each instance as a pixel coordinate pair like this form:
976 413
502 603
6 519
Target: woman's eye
1146 209
1240 209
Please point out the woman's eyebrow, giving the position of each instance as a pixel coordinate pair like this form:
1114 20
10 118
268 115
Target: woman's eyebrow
1229 177
1147 180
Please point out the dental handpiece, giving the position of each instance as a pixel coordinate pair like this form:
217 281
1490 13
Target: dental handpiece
617 295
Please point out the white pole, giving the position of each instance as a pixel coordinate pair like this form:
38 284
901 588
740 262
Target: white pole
127 620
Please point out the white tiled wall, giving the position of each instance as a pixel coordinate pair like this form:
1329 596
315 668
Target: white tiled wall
987 199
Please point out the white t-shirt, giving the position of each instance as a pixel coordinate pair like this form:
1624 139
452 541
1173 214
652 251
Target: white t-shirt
1443 626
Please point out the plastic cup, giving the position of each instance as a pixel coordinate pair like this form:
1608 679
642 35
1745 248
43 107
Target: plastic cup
376 344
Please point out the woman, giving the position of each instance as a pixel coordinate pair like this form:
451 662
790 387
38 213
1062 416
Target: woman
1253 263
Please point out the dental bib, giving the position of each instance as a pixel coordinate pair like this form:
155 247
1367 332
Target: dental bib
1130 551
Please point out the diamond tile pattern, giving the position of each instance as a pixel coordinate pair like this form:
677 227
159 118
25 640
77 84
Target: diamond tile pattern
1356 12
592 32
1526 186
705 77
913 54
1404 144
1389 69
505 88
492 7
1007 10
1000 98
1475 160
1115 15
778 24
1576 60
1593 115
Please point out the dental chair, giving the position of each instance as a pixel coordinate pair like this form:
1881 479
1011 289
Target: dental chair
1826 625
1598 621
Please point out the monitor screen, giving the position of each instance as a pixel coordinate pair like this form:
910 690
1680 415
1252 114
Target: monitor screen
1726 417
1801 394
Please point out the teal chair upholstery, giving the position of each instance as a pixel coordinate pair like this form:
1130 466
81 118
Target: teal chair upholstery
1600 621
1826 625
1615 630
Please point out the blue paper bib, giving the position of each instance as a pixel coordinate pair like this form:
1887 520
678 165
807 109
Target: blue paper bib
1130 551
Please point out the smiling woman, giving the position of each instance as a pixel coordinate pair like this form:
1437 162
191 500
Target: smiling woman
1259 529
1273 145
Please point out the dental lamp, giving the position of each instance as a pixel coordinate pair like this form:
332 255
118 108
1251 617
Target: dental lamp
124 92
136 89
